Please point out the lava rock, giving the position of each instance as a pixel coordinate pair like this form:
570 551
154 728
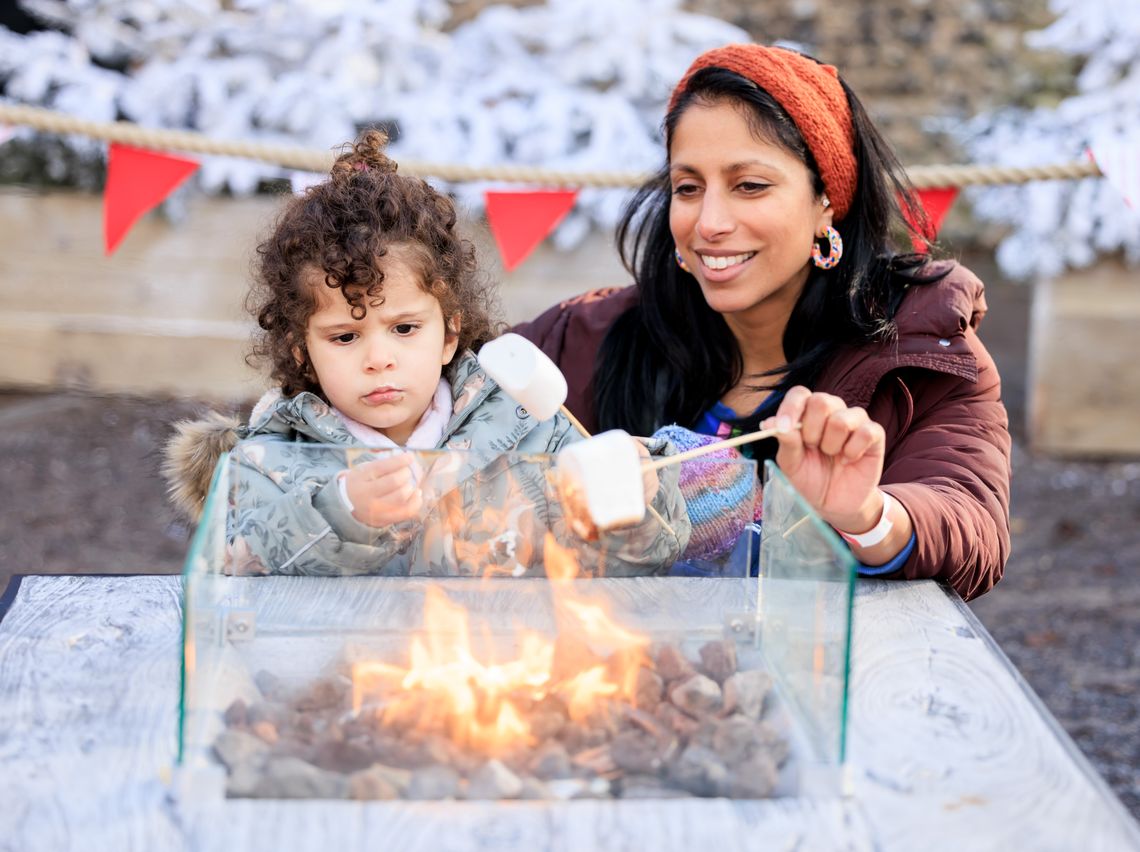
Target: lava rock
718 659
433 783
235 748
674 720
746 692
638 752
700 771
324 694
671 663
493 780
697 696
270 685
378 782
755 778
291 778
551 760
344 755
237 714
648 690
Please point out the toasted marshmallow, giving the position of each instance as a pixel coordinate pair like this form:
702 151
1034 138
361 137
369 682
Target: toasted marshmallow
525 374
603 475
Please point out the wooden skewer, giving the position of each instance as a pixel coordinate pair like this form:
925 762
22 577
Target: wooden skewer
574 421
577 424
697 452
795 526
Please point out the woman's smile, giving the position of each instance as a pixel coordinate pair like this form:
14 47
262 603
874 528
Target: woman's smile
719 268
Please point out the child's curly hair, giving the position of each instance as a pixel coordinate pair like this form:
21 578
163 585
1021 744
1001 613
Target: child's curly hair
345 226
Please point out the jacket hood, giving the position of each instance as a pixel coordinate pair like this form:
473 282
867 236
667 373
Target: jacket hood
946 307
190 456
931 325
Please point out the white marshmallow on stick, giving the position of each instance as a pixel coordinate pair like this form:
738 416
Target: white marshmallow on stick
528 376
525 374
601 475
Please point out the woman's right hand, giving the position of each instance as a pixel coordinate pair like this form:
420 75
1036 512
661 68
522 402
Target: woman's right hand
384 491
834 459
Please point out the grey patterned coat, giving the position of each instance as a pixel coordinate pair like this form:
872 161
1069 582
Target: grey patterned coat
486 508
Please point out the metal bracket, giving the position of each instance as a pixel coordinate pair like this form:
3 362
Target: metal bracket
743 626
240 625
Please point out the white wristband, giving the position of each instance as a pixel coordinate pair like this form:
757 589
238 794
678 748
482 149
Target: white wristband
877 533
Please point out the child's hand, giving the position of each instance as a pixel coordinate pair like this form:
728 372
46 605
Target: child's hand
384 491
649 481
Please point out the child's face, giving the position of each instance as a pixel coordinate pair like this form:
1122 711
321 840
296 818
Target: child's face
381 370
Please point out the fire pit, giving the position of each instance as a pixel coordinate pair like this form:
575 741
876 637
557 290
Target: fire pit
541 676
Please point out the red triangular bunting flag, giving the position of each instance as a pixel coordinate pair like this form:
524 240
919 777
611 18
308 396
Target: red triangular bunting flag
936 203
1119 161
521 220
137 181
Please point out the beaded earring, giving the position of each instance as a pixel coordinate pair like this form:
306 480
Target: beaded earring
834 249
680 260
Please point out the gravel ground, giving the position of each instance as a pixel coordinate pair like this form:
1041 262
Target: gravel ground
82 494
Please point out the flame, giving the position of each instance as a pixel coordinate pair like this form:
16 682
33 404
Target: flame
484 705
598 625
584 690
561 566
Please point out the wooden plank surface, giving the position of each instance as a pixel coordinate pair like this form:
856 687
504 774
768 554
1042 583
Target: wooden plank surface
949 743
88 670
949 750
164 315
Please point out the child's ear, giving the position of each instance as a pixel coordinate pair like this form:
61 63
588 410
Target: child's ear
450 339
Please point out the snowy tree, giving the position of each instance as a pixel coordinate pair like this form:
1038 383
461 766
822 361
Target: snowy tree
571 84
1056 225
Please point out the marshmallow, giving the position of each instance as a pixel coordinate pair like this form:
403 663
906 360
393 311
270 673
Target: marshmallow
525 374
602 475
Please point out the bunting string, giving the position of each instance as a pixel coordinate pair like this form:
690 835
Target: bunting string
312 160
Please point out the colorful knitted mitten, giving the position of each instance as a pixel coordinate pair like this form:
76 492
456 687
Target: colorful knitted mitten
720 493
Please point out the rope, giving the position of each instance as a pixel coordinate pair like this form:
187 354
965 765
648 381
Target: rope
309 159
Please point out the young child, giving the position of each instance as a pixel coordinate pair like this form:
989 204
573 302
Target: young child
369 309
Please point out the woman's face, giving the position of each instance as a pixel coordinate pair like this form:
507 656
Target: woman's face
743 211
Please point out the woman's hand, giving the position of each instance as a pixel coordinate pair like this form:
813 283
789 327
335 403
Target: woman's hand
835 458
384 491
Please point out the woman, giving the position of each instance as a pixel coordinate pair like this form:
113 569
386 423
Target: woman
769 292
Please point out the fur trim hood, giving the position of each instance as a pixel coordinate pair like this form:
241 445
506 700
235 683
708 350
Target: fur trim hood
190 456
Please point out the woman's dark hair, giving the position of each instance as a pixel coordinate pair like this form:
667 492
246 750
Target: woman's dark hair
669 358
345 227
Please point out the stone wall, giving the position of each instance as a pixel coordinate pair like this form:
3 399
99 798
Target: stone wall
916 63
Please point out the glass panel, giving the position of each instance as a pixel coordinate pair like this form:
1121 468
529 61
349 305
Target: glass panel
807 578
488 646
202 590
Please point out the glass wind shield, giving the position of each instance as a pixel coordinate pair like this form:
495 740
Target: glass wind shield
491 643
807 580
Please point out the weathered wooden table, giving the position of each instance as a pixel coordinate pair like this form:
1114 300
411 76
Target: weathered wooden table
949 749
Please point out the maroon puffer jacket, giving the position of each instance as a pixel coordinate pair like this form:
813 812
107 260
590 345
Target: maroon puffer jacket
935 390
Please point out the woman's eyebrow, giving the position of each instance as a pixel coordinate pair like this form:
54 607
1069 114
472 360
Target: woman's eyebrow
744 165
739 166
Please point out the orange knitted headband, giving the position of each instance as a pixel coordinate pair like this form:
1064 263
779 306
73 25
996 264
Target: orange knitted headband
811 95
